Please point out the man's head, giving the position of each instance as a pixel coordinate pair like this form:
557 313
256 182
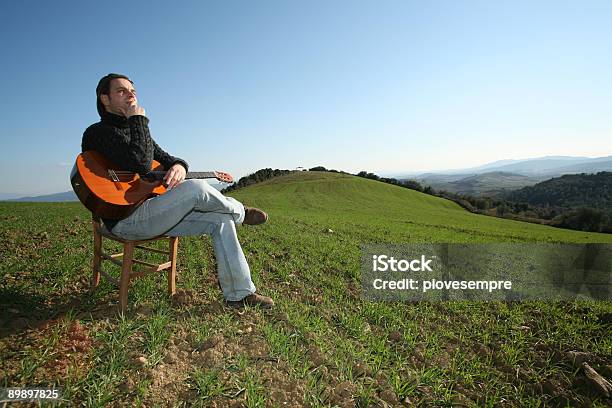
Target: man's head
115 92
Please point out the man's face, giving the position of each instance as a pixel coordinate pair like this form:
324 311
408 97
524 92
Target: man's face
120 96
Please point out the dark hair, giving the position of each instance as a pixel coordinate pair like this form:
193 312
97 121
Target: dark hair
103 88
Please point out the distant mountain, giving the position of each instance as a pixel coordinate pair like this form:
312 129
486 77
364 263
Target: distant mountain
524 173
495 165
592 167
556 166
9 196
539 166
489 184
66 196
432 179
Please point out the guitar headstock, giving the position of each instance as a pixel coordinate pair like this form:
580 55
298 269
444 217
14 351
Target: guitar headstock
224 177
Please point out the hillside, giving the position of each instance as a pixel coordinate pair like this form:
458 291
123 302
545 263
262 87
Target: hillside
569 191
322 345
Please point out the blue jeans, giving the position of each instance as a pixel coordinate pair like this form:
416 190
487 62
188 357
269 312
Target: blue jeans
194 207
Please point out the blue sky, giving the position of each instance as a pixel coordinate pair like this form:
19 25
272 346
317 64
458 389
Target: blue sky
383 86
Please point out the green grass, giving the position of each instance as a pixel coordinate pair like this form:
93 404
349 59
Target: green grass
207 384
323 345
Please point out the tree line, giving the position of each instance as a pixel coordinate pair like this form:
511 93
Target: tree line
257 177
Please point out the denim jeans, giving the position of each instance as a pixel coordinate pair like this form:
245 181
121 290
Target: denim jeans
194 207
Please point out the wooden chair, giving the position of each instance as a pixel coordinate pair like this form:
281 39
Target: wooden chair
127 262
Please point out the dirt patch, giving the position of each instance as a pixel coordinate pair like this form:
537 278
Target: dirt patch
342 394
184 298
71 352
283 390
221 353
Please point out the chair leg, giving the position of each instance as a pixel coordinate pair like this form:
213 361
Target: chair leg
126 268
172 271
97 259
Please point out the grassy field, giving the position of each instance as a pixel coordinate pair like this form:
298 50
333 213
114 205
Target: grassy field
323 345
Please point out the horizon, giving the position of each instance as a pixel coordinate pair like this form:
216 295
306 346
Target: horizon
11 196
391 88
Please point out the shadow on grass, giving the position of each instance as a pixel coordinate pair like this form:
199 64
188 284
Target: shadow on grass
22 309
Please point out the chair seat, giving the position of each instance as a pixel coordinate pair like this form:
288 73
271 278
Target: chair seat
107 234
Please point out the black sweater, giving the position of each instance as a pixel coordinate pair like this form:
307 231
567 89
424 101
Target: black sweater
127 144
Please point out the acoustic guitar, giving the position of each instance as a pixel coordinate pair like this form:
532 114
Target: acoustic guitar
112 193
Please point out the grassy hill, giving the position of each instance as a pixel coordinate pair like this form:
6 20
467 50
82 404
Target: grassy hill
372 211
323 345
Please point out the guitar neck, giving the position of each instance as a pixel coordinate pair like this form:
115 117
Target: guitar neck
159 175
200 174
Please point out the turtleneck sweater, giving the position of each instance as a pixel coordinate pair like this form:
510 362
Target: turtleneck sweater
127 143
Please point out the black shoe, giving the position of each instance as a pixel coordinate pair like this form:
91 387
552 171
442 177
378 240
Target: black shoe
252 300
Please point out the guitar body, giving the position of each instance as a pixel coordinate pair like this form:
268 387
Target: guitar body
108 198
112 193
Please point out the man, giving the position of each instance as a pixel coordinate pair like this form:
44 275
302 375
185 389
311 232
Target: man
189 207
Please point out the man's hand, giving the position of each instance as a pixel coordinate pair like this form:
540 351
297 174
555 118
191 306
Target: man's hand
134 109
175 175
